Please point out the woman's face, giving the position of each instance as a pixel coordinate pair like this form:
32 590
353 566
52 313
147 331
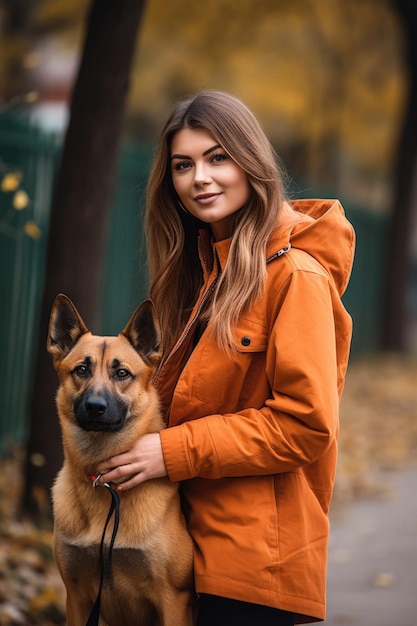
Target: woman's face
210 185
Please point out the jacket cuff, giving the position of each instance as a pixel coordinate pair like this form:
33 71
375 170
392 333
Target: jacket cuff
175 454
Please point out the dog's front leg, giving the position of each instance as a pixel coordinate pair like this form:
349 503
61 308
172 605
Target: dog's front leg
78 610
178 609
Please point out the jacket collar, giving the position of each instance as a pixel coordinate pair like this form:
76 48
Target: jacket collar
212 253
319 227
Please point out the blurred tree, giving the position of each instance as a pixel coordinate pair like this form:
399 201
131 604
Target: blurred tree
16 46
404 210
79 214
59 16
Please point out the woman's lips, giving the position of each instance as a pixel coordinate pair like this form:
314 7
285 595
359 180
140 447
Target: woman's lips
206 198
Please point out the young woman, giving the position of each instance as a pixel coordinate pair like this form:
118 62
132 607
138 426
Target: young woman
247 287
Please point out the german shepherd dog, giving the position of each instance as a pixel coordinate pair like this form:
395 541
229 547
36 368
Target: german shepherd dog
105 402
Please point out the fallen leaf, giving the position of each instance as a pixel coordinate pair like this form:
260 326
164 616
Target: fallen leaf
383 580
32 230
20 200
11 181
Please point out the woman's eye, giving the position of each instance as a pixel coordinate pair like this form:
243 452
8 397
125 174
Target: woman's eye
184 165
218 158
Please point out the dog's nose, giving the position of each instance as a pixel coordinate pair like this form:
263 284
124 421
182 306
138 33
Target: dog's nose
96 406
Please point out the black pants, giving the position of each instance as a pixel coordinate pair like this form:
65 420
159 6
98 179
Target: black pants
217 611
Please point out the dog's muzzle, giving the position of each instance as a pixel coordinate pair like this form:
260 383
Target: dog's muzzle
100 412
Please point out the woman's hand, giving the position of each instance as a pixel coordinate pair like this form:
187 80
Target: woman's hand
144 461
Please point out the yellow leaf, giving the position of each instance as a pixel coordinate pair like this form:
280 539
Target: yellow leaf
20 200
44 599
383 580
32 96
32 230
11 181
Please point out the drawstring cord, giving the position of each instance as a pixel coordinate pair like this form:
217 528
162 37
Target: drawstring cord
93 620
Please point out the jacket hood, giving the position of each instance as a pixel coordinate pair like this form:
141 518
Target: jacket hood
320 228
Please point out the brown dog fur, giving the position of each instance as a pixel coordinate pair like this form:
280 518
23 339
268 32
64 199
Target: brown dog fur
106 401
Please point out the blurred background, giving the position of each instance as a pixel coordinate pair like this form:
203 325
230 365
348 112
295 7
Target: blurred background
84 88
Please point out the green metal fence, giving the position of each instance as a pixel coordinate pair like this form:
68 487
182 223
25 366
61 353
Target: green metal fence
23 235
23 239
363 297
125 273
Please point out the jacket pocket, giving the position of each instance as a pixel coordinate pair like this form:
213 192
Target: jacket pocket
250 336
226 382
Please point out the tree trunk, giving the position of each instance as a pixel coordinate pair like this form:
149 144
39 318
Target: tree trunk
79 216
394 328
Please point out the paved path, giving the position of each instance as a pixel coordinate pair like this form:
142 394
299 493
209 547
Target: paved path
372 577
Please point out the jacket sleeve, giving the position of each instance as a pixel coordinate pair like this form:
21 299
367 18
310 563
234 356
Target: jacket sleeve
299 420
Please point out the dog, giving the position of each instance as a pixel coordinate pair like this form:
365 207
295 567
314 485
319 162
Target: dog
106 401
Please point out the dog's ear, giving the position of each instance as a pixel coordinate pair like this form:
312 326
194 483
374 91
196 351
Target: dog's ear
142 330
65 327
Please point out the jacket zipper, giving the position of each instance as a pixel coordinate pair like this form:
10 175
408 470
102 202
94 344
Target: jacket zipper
279 253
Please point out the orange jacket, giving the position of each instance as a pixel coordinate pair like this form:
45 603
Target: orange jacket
252 437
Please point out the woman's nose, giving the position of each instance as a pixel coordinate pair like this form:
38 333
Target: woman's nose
201 174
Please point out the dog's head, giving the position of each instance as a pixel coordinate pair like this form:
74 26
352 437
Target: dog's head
105 382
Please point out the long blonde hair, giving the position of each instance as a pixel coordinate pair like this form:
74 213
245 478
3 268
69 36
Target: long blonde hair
172 235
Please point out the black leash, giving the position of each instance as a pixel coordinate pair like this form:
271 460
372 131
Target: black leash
93 620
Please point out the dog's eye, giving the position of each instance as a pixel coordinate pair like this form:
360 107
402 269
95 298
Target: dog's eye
81 370
122 373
